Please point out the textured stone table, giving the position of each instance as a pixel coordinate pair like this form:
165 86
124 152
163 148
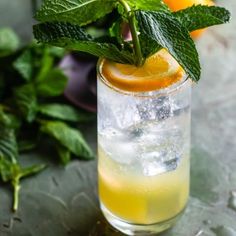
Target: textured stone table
63 201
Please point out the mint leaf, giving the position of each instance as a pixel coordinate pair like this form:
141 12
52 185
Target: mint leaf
24 66
64 112
52 85
9 42
149 46
199 16
56 52
5 119
96 32
74 37
26 145
8 120
8 144
80 12
154 5
165 30
5 169
68 137
32 170
26 101
46 64
63 153
116 30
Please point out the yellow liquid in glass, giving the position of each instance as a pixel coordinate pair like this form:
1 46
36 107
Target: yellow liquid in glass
141 199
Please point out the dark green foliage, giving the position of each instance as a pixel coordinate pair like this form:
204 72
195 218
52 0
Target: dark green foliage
28 80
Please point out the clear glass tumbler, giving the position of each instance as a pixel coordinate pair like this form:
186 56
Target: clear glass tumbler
143 149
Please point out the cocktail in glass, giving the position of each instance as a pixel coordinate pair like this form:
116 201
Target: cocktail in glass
143 149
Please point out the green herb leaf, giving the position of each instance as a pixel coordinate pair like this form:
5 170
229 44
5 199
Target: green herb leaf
80 12
5 169
149 46
8 144
9 42
26 101
94 32
154 5
32 170
4 118
198 16
64 112
52 85
116 30
74 37
8 120
68 137
63 153
26 145
46 64
24 66
166 31
56 52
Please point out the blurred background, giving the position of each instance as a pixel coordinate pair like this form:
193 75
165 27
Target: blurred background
51 206
18 15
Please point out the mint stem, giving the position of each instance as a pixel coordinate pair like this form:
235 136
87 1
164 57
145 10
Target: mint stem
134 33
16 187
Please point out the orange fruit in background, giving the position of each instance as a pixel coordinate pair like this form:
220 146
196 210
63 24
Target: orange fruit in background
176 5
159 71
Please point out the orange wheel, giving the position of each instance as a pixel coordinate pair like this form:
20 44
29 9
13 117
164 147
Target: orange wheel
159 71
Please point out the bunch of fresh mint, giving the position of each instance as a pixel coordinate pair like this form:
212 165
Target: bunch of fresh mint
153 26
30 112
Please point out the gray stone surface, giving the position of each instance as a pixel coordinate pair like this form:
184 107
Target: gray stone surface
63 201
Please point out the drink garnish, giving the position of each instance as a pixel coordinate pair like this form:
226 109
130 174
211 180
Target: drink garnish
152 24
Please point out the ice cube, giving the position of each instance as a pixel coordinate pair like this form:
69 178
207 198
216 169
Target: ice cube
154 163
118 147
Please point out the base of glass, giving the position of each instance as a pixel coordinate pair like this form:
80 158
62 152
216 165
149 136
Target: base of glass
139 229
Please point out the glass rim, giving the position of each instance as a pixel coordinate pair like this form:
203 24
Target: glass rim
174 88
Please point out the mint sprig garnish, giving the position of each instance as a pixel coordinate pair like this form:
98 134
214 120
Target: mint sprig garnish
153 27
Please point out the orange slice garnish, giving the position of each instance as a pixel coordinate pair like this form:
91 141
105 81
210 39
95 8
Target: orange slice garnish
159 71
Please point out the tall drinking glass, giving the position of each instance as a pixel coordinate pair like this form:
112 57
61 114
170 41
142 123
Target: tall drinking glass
143 149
